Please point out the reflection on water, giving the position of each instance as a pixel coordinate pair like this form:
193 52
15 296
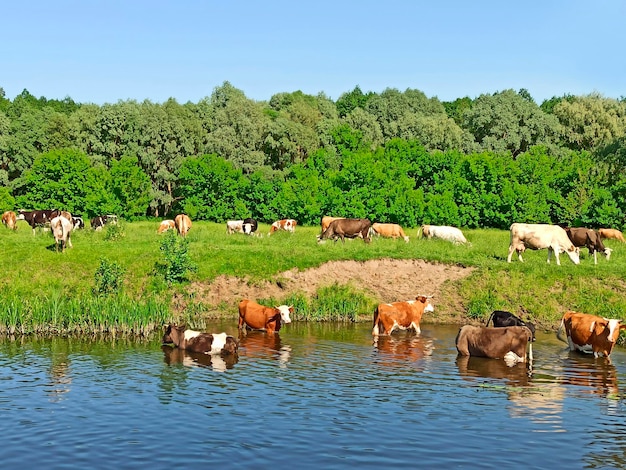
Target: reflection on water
104 403
216 362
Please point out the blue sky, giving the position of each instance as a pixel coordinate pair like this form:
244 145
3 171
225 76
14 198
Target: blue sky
103 51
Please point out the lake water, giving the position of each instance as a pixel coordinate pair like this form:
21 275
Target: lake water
314 396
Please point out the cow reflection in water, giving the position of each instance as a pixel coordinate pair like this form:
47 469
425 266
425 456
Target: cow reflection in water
192 359
476 366
597 377
406 348
259 344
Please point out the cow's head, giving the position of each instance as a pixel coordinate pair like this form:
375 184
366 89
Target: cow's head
284 311
231 346
425 299
574 254
607 252
607 329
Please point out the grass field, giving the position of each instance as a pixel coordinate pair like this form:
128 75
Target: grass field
43 290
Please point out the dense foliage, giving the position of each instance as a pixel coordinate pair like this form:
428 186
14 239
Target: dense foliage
391 156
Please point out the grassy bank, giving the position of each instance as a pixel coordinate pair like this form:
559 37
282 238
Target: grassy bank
45 291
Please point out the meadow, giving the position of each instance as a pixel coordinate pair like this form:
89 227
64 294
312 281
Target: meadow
49 292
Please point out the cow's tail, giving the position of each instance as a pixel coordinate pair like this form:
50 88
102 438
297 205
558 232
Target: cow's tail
490 319
559 331
375 329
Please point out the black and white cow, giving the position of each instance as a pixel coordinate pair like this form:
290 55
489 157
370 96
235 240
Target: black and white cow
249 226
37 218
98 222
502 318
78 222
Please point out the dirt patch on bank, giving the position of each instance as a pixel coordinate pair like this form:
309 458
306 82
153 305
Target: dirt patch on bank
385 280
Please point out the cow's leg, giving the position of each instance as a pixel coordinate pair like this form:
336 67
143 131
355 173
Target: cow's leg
511 250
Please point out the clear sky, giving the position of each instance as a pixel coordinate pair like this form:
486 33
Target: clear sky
103 51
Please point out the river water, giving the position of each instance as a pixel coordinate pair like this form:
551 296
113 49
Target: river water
313 396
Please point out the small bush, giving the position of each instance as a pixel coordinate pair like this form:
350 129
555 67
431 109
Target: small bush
114 232
177 262
108 277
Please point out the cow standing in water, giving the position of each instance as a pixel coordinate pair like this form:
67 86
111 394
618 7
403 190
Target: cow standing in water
511 343
401 315
259 317
590 333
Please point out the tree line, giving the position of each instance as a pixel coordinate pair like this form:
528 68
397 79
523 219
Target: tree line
391 156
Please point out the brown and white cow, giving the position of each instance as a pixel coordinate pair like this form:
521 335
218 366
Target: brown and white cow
347 228
326 220
62 232
611 233
37 218
195 341
9 220
234 226
539 236
259 317
389 231
590 333
443 232
581 236
401 315
288 225
511 343
183 224
166 225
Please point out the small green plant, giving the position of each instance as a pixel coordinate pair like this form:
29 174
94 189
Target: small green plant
114 232
108 277
177 262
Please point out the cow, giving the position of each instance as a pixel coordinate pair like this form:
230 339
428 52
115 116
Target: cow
165 225
195 341
501 318
511 343
581 236
539 236
611 233
97 223
259 317
9 220
443 232
590 333
401 315
234 226
78 222
62 232
347 228
250 226
183 224
326 220
288 225
389 231
37 218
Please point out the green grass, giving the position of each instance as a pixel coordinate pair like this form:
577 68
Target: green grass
42 290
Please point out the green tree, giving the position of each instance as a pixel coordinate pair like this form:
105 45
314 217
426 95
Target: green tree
131 188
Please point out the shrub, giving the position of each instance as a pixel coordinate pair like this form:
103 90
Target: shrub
177 263
108 277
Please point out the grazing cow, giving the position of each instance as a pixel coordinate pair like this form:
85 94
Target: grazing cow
511 343
611 233
347 228
389 231
166 225
195 341
501 318
249 226
9 220
97 223
590 333
259 317
288 225
443 232
539 236
234 226
78 222
581 236
183 224
326 220
37 218
401 315
62 232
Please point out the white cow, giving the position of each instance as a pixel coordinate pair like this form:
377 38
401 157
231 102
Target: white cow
234 226
62 232
539 236
444 232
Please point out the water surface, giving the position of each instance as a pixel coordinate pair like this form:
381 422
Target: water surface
313 396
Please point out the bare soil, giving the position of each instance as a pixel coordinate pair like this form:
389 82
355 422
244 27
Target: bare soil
385 280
